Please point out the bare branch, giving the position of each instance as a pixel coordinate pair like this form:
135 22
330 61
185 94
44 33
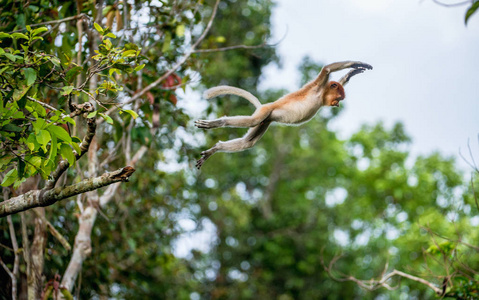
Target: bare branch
54 231
43 104
452 4
373 284
80 16
37 198
16 260
231 48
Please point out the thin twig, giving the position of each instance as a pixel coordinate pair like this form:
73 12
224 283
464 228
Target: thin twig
43 104
373 284
16 258
230 48
54 231
452 4
55 22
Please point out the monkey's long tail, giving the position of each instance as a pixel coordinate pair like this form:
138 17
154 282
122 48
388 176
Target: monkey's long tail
229 90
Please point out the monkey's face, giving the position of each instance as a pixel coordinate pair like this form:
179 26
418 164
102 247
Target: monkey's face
333 94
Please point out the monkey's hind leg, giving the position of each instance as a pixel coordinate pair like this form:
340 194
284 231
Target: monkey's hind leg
255 119
249 140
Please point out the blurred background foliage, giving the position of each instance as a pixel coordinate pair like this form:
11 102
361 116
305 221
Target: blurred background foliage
281 211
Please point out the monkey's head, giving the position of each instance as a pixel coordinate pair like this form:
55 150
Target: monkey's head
334 92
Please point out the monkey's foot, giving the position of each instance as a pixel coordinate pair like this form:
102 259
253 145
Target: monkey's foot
361 65
204 156
208 124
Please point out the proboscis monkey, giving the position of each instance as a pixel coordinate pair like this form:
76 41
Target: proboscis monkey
294 108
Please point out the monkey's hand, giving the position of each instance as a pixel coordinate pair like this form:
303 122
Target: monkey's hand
345 78
208 124
361 65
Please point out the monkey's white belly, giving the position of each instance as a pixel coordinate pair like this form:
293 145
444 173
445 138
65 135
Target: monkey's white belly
295 113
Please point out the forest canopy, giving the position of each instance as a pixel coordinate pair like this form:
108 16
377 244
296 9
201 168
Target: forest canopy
100 197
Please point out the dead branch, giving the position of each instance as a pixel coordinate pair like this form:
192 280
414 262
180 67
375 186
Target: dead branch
374 284
46 197
452 4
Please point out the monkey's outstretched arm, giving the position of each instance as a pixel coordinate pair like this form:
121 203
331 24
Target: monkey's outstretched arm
345 79
323 76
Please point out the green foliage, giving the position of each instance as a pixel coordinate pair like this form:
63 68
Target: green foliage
32 131
471 10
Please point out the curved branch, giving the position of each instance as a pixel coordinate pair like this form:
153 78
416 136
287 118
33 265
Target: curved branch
452 4
373 284
64 164
45 197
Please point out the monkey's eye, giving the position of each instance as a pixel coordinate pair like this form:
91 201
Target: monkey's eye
334 85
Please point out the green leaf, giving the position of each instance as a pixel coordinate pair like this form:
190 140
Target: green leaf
4 161
166 42
67 153
76 147
471 11
39 30
69 120
92 114
111 35
11 128
138 68
19 182
31 142
18 35
132 113
38 124
75 139
20 168
39 109
10 178
53 149
56 61
19 93
72 73
180 30
98 27
30 76
67 90
106 118
60 133
43 137
4 35
11 57
129 53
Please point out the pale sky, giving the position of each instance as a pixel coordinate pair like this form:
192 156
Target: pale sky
426 65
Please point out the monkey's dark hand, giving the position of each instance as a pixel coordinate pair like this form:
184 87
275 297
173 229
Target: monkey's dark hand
208 124
361 65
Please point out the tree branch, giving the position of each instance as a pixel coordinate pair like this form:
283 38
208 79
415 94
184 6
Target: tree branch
16 262
373 284
80 16
45 197
230 48
54 231
64 164
452 4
